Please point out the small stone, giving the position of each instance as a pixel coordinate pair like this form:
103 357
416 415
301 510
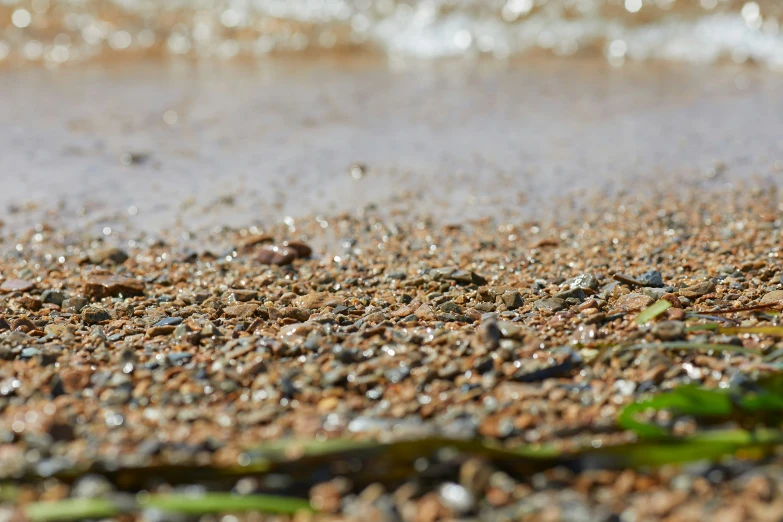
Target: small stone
241 296
302 249
772 297
512 299
573 293
16 285
53 297
583 281
669 330
552 304
102 255
633 302
169 321
651 278
276 255
74 305
654 293
450 307
95 315
100 286
24 323
698 290
317 300
31 303
241 311
157 331
457 498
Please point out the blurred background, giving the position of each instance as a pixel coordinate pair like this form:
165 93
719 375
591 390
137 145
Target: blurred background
159 114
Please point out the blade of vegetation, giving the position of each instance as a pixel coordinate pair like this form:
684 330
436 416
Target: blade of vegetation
72 509
761 406
774 331
183 504
210 503
653 311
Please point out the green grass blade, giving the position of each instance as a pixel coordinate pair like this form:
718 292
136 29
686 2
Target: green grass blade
71 509
211 503
653 311
774 331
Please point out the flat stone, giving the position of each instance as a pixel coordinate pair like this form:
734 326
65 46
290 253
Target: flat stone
772 297
94 315
669 330
241 311
633 301
74 304
572 293
100 286
552 304
241 296
698 290
302 249
318 300
16 285
654 293
157 331
450 307
169 321
276 255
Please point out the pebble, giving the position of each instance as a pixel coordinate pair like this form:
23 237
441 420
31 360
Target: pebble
94 315
276 255
512 299
698 290
552 304
241 311
169 321
102 255
669 330
318 300
16 285
583 282
100 286
457 498
633 302
772 297
651 278
53 297
74 304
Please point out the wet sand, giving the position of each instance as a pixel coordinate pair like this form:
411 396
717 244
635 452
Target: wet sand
253 143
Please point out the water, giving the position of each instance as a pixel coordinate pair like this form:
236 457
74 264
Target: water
55 32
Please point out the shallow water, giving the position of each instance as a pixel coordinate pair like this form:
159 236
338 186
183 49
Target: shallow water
235 144
698 31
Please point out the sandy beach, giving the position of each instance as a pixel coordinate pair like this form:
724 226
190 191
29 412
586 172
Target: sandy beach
339 286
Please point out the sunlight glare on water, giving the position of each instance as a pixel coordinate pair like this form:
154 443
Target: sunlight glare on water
59 31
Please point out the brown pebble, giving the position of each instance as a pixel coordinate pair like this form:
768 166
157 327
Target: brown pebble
633 302
317 300
698 290
100 286
302 250
772 297
16 285
157 331
241 311
276 255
